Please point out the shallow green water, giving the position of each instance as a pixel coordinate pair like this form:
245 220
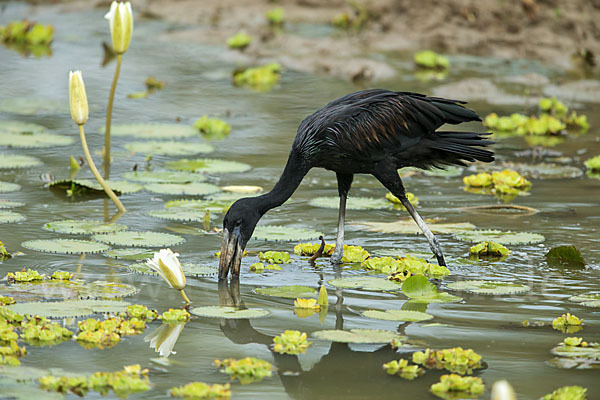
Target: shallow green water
198 82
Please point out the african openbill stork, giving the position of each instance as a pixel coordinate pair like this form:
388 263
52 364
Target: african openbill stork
373 132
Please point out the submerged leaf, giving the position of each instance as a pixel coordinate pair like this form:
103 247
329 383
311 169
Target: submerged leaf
291 291
397 315
229 312
365 283
359 336
565 255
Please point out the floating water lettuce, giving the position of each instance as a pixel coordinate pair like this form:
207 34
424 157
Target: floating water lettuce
201 390
240 41
482 179
212 128
506 183
567 323
458 387
140 312
94 333
310 249
291 342
489 249
489 287
275 16
428 59
566 256
260 267
28 37
41 331
246 370
306 303
419 289
258 78
414 200
456 360
401 368
6 300
131 379
24 276
567 393
593 164
401 268
275 257
174 316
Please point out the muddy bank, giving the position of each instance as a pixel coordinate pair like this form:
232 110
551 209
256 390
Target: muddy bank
547 30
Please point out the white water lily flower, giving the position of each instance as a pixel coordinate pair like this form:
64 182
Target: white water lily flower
120 18
78 98
167 265
163 338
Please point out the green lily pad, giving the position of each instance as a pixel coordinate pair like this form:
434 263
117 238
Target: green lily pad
83 226
447 172
229 312
353 203
122 187
14 126
189 269
190 189
397 315
152 131
419 289
170 148
140 239
587 299
284 233
501 237
6 187
545 170
33 106
198 205
69 308
178 214
408 226
65 246
11 389
163 177
365 283
208 165
489 287
358 336
566 256
129 253
9 203
14 161
290 292
7 217
33 140
591 351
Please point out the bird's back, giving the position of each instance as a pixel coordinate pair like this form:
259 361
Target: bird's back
355 131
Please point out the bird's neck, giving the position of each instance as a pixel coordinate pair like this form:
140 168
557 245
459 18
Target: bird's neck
290 179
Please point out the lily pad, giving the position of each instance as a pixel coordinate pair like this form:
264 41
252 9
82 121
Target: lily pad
130 253
419 289
408 226
65 246
14 161
365 283
358 336
502 209
229 312
190 189
91 187
83 226
33 106
448 172
163 177
208 165
397 315
152 131
566 256
14 126
290 292
502 237
284 233
489 287
353 203
170 148
69 308
69 289
9 203
33 140
587 299
11 389
6 187
198 205
545 170
7 217
178 214
189 269
140 239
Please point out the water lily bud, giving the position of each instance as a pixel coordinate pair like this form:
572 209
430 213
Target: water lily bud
120 18
167 265
77 98
323 298
502 390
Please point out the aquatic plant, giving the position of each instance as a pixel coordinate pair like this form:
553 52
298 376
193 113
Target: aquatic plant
260 267
39 330
6 300
30 275
489 249
323 299
61 276
212 128
455 387
401 368
306 303
428 59
289 291
455 360
567 393
565 256
587 299
28 37
568 323
412 198
419 289
174 316
99 334
506 182
201 390
310 249
291 342
246 370
258 78
140 312
593 164
399 269
359 336
4 254
275 257
489 287
229 312
352 22
275 17
240 41
167 265
365 283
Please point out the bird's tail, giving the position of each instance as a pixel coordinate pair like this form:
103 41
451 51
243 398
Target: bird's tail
457 147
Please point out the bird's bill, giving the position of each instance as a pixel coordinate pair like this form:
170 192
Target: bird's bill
231 253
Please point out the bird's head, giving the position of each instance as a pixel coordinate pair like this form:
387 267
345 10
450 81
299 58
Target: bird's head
238 226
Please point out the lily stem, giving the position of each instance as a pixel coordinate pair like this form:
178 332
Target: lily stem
111 98
187 299
97 175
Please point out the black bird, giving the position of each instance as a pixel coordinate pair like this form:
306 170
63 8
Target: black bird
373 132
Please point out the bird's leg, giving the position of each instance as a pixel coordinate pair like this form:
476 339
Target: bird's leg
344 183
433 242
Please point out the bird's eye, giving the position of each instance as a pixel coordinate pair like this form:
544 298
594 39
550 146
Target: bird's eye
238 222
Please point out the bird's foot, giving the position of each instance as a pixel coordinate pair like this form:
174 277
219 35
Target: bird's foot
336 258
